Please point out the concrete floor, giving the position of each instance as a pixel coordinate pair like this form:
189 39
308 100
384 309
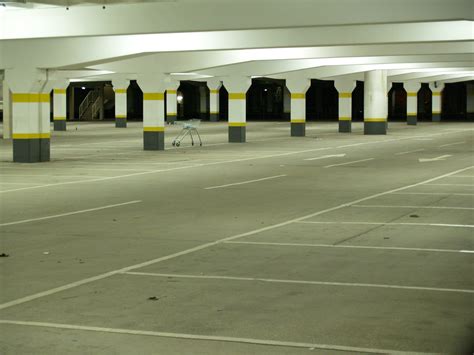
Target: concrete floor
328 244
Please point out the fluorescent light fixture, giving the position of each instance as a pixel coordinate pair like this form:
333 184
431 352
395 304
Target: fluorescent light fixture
192 74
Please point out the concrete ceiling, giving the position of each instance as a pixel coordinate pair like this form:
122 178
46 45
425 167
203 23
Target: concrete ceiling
413 40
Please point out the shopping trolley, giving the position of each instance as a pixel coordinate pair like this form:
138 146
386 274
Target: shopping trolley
189 127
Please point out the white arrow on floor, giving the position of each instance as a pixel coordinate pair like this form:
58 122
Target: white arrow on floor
442 157
328 156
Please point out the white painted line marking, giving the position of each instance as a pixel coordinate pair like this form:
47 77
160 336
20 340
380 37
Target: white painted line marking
410 151
210 244
350 162
69 213
52 175
244 182
351 246
450 144
463 176
19 183
450 184
207 337
421 207
327 156
433 193
466 251
214 163
441 157
395 224
303 282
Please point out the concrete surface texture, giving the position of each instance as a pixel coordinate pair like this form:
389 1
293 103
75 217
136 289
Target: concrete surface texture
326 244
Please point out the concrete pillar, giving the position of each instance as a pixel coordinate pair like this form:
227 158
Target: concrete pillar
153 88
237 88
412 89
214 86
30 111
171 101
375 102
436 90
345 88
298 88
7 111
120 88
59 105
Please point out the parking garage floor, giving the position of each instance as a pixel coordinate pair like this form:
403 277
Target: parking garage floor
328 244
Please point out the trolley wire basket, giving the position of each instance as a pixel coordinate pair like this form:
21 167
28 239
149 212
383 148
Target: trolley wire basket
190 128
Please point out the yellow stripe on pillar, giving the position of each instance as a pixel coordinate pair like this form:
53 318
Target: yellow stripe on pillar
412 94
214 91
120 91
31 135
171 91
345 119
153 129
375 119
29 98
59 118
59 91
345 95
298 96
237 96
237 124
153 96
298 120
436 93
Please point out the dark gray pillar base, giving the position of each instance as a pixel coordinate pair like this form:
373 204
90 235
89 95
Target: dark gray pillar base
375 127
298 129
171 119
31 150
237 134
214 117
60 125
412 120
154 140
345 126
436 117
120 122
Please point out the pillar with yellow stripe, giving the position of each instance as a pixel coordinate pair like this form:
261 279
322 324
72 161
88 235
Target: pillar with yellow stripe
237 88
171 102
436 100
345 88
298 88
375 102
153 113
214 86
59 105
120 88
412 89
30 114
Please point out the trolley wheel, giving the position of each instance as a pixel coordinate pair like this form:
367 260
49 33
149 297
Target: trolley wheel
177 144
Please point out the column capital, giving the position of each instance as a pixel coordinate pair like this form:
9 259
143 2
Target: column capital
411 86
297 84
344 85
120 83
214 83
436 86
61 84
151 82
237 84
26 80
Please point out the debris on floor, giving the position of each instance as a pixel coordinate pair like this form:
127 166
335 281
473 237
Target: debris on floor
414 216
153 298
3 255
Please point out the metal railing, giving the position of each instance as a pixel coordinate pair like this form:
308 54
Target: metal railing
90 99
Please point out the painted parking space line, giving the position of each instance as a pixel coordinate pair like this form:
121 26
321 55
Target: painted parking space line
111 273
345 246
69 213
395 224
327 156
245 182
434 193
451 144
51 175
420 207
215 163
216 338
349 162
410 151
302 282
450 184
